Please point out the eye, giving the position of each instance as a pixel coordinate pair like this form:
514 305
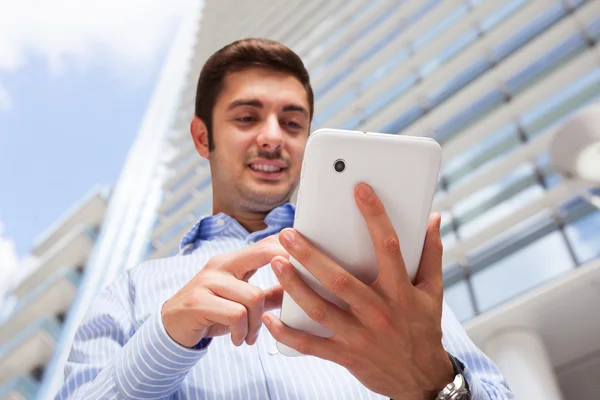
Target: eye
293 124
246 119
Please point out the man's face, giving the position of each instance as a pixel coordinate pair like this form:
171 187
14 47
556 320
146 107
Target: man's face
260 127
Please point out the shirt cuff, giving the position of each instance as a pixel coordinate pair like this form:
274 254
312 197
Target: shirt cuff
152 361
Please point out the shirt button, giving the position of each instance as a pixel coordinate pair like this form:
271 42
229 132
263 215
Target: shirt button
273 350
220 222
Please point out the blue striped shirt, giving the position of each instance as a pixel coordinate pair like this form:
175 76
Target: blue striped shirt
122 351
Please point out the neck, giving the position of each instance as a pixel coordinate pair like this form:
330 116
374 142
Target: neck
252 221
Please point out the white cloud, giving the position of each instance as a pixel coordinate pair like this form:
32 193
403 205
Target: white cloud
9 262
123 35
5 101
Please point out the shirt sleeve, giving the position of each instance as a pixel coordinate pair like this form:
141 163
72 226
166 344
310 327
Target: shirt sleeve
485 379
110 359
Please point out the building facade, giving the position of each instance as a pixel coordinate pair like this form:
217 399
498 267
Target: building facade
490 81
37 306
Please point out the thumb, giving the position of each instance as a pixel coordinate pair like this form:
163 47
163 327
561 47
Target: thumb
429 277
273 297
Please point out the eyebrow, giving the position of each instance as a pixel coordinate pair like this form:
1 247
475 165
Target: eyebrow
258 104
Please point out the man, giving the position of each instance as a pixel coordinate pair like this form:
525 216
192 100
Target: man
160 330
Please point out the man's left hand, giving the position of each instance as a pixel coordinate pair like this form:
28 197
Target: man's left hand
390 337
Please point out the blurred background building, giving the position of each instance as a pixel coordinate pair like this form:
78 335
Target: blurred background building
36 308
492 81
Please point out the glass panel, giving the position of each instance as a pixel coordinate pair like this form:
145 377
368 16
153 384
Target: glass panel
458 82
183 180
538 25
380 72
353 122
547 63
468 210
469 115
387 97
336 106
407 118
178 204
449 52
549 175
440 27
333 81
372 50
458 298
500 207
501 14
584 237
593 28
481 155
561 105
521 271
175 230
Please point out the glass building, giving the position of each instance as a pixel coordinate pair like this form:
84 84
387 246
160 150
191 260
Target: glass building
35 309
491 81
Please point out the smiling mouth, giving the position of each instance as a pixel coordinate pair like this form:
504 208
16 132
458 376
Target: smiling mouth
265 168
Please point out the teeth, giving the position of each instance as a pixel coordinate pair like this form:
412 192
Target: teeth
265 168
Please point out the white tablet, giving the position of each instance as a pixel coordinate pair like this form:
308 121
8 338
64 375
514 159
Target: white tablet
403 171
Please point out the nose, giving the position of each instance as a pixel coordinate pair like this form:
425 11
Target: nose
270 138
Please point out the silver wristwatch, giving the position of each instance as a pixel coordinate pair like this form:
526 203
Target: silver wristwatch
458 389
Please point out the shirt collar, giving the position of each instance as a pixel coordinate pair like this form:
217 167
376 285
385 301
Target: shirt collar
212 226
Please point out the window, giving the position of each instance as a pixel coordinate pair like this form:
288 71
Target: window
482 155
562 104
459 300
526 268
440 27
380 72
500 14
584 234
175 230
371 51
497 200
469 115
387 97
335 107
353 122
449 52
178 204
405 119
550 177
183 180
320 91
458 82
543 66
538 25
422 11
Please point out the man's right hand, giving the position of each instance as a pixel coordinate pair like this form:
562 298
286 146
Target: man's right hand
219 299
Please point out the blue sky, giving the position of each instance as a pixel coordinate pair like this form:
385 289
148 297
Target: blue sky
72 96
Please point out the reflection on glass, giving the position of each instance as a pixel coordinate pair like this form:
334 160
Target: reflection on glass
469 115
481 155
522 270
501 14
562 104
536 26
584 236
458 298
547 63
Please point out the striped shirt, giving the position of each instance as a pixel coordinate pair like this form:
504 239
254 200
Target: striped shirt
122 351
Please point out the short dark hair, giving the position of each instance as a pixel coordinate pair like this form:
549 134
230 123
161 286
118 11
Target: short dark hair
237 56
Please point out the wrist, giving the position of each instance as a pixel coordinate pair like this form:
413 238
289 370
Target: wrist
172 328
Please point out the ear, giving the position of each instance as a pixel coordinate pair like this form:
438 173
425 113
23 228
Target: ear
200 136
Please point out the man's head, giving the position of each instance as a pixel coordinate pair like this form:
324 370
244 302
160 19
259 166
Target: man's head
254 105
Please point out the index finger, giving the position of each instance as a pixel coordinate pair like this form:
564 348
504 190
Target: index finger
244 262
392 270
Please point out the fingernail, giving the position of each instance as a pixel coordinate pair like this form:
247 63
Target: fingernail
267 322
365 192
289 237
277 267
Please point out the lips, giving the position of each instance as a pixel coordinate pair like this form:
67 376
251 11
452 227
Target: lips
265 167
